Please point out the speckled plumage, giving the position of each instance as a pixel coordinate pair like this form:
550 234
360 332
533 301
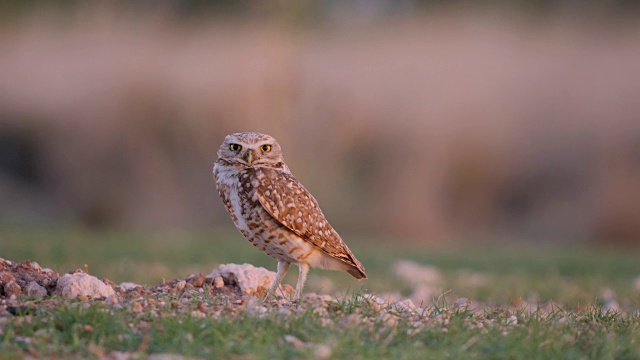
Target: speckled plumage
275 212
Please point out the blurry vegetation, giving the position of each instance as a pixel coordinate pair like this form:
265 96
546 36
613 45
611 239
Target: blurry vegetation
430 124
307 12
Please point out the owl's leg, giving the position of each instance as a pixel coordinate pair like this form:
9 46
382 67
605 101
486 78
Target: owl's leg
283 267
302 278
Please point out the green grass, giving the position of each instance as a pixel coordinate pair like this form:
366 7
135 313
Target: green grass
74 330
575 279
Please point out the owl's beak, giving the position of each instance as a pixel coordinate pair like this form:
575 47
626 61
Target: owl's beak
249 157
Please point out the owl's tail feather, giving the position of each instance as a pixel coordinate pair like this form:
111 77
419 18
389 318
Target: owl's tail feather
357 273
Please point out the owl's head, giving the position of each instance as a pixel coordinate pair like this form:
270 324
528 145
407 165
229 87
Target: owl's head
251 149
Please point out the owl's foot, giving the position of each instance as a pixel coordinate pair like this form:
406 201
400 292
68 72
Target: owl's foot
302 278
283 267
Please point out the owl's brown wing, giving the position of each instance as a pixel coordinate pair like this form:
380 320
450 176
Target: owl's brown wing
293 206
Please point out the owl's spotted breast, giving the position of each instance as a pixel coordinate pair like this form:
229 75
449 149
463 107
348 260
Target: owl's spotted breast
257 225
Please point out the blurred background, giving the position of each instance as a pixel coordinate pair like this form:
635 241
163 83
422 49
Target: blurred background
421 121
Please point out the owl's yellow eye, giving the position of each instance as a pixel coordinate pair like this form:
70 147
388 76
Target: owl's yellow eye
266 148
235 147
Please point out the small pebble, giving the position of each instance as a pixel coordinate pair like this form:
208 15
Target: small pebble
136 307
322 351
180 285
198 314
297 343
36 291
127 286
636 283
12 289
350 320
111 300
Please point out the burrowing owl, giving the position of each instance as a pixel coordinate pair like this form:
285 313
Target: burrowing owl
275 212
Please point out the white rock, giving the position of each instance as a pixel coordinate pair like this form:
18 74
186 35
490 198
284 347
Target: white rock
424 294
166 357
198 314
387 319
372 299
35 290
421 311
414 273
405 305
611 306
180 285
472 279
315 300
461 303
250 279
389 298
255 307
426 280
126 286
322 351
82 284
297 343
218 283
607 295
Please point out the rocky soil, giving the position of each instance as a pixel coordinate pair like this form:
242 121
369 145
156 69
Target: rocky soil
25 286
231 290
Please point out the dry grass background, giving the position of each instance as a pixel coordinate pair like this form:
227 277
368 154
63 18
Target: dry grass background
447 124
